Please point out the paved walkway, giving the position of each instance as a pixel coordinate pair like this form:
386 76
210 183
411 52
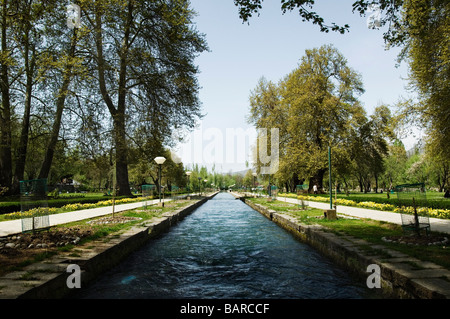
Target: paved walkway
15 226
436 224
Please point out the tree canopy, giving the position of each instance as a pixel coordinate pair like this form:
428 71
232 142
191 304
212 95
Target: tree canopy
117 80
315 107
389 8
421 29
427 51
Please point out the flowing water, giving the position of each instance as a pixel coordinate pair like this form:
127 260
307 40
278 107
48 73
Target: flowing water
225 249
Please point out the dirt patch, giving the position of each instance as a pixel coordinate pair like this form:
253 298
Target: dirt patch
17 249
112 220
417 240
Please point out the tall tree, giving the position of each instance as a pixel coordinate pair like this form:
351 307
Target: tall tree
143 54
369 147
67 69
395 164
313 107
28 37
37 52
426 28
321 98
7 60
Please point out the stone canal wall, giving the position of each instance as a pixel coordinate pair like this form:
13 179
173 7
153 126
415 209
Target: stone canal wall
401 276
48 278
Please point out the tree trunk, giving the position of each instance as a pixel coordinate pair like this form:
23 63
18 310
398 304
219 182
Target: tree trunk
360 182
121 156
23 142
445 176
5 129
24 134
376 183
118 114
60 101
294 182
48 159
367 186
317 179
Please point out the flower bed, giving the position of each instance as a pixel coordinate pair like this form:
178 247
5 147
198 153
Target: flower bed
41 211
425 211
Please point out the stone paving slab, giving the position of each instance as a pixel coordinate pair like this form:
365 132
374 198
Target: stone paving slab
440 288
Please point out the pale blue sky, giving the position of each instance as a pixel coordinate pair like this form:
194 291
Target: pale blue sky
271 46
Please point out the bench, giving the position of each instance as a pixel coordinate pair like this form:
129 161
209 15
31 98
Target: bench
410 223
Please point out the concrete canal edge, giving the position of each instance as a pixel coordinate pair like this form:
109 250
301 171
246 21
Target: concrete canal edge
48 279
401 276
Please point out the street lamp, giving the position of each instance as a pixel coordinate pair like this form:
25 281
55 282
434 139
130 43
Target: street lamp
160 160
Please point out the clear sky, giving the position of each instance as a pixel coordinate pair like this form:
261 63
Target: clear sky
271 45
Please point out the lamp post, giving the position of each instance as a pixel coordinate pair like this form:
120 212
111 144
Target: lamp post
160 160
330 213
188 174
329 174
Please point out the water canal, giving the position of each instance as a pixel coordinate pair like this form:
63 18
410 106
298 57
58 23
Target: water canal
225 249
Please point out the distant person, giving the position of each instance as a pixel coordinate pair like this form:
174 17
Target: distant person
315 189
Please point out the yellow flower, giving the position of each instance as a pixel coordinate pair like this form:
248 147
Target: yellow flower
439 213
